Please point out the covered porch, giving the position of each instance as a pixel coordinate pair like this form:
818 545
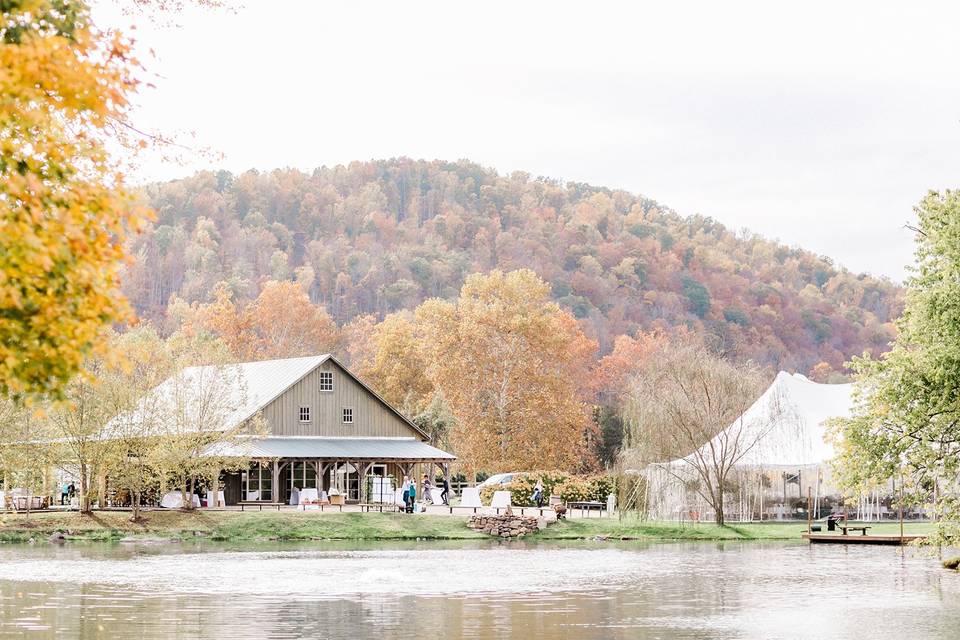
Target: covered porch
283 469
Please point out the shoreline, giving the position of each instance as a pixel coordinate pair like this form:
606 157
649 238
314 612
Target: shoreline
235 526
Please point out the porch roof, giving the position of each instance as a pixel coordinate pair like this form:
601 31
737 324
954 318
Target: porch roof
377 449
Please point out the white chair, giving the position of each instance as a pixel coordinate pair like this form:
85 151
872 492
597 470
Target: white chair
470 497
500 500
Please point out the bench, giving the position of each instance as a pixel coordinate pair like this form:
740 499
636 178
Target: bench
244 504
587 506
452 507
379 506
846 528
320 505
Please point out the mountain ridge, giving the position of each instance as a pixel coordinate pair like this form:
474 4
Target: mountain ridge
380 236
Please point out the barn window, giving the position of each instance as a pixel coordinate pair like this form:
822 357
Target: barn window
304 414
326 381
348 416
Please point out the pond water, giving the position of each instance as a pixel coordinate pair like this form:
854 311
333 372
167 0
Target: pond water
476 590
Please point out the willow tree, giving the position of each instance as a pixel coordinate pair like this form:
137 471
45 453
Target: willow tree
684 409
65 90
906 418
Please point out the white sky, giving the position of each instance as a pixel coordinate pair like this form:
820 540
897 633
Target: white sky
820 125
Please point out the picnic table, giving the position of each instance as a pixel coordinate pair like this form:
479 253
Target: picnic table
586 506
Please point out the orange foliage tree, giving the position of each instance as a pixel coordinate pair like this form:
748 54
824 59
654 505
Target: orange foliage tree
280 323
513 367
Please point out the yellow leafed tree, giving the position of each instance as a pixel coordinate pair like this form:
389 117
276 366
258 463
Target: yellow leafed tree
395 367
65 86
513 367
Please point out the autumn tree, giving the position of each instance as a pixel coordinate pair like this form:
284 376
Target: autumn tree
684 412
77 425
20 462
133 435
280 323
65 89
513 367
287 324
395 367
611 379
193 411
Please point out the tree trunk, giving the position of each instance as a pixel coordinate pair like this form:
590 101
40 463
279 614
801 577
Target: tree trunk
84 489
718 508
185 501
135 505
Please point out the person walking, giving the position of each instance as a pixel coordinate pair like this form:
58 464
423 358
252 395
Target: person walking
538 493
427 490
405 488
413 495
64 493
445 494
71 492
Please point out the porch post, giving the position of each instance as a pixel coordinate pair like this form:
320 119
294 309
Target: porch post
276 480
364 495
446 476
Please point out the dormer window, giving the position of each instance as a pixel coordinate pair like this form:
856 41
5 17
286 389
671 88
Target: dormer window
326 381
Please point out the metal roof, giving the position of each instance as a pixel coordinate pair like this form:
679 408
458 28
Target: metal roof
379 449
250 386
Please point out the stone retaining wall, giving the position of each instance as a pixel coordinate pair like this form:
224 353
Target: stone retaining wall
506 526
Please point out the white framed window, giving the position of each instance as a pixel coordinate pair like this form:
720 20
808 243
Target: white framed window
348 415
304 414
326 381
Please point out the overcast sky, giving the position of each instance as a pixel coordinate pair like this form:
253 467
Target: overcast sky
820 125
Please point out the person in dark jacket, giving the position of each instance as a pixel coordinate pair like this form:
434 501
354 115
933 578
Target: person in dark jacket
445 494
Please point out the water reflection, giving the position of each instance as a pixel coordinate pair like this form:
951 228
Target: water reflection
476 590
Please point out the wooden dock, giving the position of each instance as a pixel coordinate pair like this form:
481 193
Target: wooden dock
839 538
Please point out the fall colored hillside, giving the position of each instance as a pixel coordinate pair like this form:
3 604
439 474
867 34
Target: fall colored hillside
377 237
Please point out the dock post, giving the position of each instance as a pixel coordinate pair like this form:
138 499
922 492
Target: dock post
809 511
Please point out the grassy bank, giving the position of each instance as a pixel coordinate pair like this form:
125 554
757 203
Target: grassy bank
287 525
235 525
632 529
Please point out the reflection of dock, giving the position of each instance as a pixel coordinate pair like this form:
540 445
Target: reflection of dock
839 538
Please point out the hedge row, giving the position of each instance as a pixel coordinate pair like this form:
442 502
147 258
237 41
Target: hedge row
569 488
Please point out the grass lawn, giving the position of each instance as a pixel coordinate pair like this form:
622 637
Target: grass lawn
235 525
630 529
289 525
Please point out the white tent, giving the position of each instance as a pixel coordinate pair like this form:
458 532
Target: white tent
782 435
788 423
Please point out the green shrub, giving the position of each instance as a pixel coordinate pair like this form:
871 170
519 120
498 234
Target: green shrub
574 490
593 488
569 488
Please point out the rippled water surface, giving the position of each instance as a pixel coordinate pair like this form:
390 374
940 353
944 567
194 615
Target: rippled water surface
449 591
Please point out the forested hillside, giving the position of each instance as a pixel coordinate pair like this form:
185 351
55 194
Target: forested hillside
376 237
